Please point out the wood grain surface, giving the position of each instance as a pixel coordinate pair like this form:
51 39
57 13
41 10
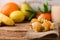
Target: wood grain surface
17 32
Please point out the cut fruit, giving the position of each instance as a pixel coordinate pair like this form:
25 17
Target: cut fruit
46 25
36 27
6 20
41 18
34 20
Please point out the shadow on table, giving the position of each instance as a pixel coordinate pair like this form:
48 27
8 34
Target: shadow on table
48 37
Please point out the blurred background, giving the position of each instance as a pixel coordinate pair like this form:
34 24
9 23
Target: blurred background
38 2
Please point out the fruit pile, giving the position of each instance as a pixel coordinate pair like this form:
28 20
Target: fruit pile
41 24
11 13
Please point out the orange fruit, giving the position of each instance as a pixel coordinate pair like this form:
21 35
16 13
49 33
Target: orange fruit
8 8
46 15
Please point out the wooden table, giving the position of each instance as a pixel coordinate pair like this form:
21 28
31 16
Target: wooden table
17 32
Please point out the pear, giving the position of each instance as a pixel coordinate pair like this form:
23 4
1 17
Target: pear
24 7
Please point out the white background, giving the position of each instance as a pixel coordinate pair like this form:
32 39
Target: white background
51 2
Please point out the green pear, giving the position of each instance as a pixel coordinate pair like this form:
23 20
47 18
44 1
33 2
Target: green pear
24 7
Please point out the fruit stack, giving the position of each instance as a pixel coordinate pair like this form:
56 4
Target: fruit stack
41 24
10 13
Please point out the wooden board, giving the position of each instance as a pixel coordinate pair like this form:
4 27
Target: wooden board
16 32
17 27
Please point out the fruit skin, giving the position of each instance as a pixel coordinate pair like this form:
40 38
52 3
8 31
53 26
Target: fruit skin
17 16
34 20
38 14
6 20
36 26
8 8
46 15
46 24
41 18
24 7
